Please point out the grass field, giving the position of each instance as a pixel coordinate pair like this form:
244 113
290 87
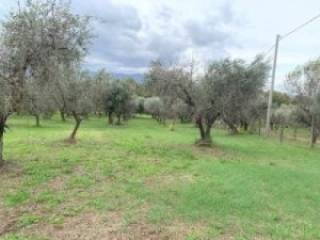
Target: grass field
142 181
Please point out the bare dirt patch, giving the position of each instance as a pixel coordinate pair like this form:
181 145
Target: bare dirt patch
214 151
57 183
91 226
11 169
7 224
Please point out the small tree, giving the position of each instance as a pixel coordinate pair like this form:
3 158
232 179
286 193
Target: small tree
78 98
118 101
155 107
101 81
139 103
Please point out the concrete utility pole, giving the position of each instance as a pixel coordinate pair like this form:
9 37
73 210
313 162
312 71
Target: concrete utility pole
274 71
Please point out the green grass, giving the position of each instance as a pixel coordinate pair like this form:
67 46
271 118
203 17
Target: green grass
245 187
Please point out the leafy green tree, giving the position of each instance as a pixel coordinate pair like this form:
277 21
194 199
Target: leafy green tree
236 85
100 84
35 40
118 101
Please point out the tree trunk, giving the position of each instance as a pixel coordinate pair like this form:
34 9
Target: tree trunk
76 127
314 136
281 134
1 150
110 118
313 133
205 133
259 127
200 126
233 129
118 120
314 139
245 126
271 126
2 127
295 133
63 115
37 120
173 125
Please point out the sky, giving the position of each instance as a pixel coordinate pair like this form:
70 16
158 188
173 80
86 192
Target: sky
129 34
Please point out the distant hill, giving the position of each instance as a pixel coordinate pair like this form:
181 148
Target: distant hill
138 77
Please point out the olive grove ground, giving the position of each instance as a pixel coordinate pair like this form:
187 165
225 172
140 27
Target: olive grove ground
142 181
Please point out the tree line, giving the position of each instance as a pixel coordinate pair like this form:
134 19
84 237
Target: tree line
42 48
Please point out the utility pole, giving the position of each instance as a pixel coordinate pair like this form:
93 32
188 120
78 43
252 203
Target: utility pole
274 71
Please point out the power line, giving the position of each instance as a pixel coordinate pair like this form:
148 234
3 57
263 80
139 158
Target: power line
269 50
300 26
276 47
266 53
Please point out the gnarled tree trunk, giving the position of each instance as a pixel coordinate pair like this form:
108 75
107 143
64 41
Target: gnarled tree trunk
78 121
205 131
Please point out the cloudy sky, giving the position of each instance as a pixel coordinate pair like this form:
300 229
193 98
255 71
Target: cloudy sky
131 33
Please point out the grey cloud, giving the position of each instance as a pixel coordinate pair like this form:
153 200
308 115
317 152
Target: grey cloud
167 46
126 42
117 28
210 32
205 34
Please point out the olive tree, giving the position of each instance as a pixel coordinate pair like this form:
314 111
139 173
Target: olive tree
71 90
118 101
155 107
237 85
304 84
36 38
101 81
224 92
178 83
139 103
